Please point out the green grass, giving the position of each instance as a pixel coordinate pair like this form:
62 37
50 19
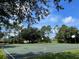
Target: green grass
76 51
54 42
2 54
70 54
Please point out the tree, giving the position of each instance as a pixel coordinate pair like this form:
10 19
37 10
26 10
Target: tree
36 35
45 33
46 30
73 32
56 29
61 33
65 34
1 34
31 34
13 12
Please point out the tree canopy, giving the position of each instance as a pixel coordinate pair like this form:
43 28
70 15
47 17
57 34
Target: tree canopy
35 35
65 34
46 30
14 12
1 34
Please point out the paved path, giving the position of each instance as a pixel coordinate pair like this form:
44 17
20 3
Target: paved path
24 51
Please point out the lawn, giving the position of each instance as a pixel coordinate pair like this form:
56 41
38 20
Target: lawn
76 51
2 54
54 42
70 54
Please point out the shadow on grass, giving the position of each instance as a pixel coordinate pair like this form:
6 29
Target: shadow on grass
41 55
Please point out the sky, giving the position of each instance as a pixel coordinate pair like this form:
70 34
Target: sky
69 16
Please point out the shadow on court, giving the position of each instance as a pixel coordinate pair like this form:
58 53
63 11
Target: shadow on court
61 55
29 55
9 46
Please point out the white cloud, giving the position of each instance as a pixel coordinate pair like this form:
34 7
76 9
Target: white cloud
68 20
52 18
49 20
71 21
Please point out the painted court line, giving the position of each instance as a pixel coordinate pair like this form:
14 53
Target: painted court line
9 54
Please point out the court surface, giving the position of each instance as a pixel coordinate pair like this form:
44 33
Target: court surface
25 51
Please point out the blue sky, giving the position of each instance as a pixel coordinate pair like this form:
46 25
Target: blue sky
69 16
